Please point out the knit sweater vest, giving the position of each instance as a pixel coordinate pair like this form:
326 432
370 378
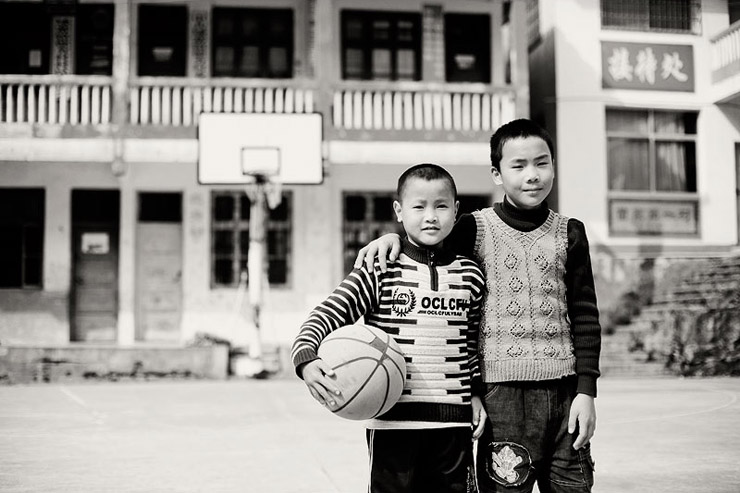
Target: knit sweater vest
525 332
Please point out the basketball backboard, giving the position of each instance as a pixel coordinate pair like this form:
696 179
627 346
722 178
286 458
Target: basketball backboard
285 148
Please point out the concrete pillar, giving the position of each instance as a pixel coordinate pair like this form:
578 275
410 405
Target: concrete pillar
127 263
121 61
519 57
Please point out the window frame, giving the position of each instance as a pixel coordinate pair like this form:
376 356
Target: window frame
481 50
239 228
237 40
24 222
146 66
366 44
653 138
694 19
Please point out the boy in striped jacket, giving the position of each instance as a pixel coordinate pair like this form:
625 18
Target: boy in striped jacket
429 300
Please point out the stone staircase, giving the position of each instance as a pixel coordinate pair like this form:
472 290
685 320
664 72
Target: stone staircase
688 286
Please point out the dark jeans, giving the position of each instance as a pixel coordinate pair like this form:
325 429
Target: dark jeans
436 460
526 440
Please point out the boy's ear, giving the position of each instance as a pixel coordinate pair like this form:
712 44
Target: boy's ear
496 176
457 207
397 209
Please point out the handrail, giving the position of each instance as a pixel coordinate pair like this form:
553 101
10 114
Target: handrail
54 79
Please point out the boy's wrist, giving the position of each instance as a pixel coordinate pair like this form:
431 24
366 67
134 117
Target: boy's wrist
586 385
301 358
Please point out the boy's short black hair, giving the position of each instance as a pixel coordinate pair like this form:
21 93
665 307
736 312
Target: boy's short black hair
428 172
521 128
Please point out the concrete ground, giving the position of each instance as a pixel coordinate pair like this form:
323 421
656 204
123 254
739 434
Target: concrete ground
654 436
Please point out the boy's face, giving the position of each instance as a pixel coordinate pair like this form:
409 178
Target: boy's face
427 210
526 171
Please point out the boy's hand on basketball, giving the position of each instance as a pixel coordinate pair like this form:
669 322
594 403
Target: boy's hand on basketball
387 246
318 378
582 415
479 417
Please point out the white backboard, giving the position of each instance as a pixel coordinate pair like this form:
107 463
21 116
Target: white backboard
234 146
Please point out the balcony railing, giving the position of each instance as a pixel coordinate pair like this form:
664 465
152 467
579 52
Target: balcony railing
55 99
414 106
179 102
726 53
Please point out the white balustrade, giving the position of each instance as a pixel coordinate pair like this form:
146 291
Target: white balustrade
48 100
422 110
726 50
174 104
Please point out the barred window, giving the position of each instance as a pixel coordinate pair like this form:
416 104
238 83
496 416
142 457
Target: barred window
230 238
379 45
252 42
651 150
652 15
22 233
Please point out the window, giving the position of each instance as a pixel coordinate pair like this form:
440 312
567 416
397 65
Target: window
22 233
230 239
468 48
368 215
94 39
162 40
25 37
651 150
381 45
652 15
252 43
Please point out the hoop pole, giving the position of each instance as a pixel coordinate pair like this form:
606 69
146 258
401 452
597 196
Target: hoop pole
256 262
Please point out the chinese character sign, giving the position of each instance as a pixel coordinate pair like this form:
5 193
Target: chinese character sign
653 218
641 66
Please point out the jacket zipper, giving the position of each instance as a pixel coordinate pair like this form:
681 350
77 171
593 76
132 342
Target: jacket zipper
433 272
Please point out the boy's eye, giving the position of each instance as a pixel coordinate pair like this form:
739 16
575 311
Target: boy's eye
418 207
544 163
442 206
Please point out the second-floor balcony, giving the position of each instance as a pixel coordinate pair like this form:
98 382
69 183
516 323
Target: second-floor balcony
726 63
355 110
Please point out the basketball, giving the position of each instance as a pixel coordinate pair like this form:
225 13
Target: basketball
370 370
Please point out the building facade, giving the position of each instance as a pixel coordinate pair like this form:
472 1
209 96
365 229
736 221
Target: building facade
109 238
643 100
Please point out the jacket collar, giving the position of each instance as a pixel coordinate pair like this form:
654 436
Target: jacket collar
441 255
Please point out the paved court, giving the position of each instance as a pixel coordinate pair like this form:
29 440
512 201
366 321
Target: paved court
653 436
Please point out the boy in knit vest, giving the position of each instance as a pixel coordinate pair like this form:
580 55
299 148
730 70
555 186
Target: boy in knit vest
429 300
540 334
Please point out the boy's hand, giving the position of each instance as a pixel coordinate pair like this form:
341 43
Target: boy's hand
582 413
317 376
479 417
387 246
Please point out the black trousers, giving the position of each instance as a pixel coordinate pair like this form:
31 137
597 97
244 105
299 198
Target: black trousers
526 440
438 460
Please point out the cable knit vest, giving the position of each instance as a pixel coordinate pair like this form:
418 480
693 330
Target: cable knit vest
525 332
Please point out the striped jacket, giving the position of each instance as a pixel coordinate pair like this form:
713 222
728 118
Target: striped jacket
429 301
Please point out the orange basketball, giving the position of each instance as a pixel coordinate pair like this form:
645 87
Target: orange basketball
370 370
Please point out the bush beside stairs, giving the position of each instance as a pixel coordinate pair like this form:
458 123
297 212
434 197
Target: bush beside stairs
693 316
